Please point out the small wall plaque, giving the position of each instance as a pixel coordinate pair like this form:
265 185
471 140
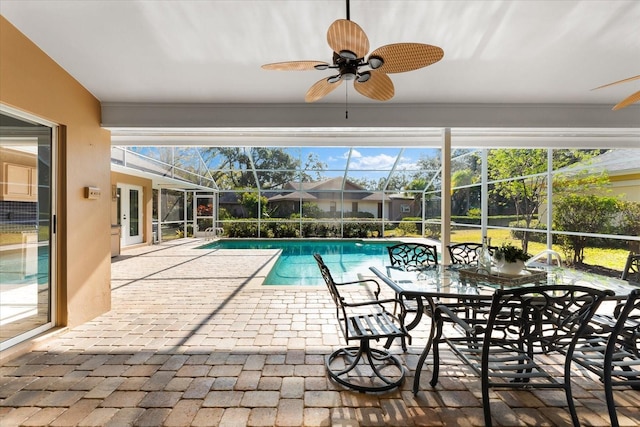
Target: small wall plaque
92 193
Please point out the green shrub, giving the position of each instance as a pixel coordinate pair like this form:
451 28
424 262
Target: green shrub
587 213
474 212
241 228
533 236
432 230
407 227
223 214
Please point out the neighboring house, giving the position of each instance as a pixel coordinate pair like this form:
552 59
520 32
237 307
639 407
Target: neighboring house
331 197
623 169
403 206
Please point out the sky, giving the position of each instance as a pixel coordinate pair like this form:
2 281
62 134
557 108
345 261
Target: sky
372 159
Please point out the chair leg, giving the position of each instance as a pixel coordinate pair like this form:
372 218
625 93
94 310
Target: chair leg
608 392
567 390
376 360
403 342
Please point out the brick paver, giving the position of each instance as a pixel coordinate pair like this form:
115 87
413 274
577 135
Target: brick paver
193 339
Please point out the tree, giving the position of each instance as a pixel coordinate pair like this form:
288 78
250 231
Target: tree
254 205
529 192
630 223
588 213
417 188
461 198
525 193
273 167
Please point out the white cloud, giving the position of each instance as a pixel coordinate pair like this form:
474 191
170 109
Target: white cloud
355 154
381 161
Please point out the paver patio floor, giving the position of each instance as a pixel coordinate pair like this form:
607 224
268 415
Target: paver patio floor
193 339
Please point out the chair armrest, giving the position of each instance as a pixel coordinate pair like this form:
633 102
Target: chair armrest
373 302
445 311
376 292
380 303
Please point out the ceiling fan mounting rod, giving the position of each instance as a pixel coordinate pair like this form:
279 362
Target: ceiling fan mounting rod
348 14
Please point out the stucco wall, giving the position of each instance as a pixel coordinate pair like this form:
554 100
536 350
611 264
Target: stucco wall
30 81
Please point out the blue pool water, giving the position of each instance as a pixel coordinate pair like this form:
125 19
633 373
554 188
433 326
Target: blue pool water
15 269
296 265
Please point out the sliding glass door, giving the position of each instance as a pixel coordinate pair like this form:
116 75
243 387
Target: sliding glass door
26 227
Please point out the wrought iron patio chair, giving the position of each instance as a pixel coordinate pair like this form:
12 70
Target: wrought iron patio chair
412 257
466 253
614 355
362 367
631 270
630 273
523 326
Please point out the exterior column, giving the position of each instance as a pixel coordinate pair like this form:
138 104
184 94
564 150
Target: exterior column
445 195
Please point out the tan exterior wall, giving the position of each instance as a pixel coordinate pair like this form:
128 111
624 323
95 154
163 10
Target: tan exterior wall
627 185
32 82
147 200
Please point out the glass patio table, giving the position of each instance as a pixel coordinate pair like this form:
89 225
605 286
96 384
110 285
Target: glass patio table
448 284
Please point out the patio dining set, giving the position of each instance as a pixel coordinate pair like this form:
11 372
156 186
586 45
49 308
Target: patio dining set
504 327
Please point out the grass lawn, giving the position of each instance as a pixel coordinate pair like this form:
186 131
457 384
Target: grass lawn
610 258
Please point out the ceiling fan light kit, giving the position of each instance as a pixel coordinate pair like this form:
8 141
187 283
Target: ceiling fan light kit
350 46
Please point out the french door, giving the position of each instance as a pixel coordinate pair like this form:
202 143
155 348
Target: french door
130 214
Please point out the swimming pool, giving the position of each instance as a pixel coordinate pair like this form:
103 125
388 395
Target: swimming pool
296 265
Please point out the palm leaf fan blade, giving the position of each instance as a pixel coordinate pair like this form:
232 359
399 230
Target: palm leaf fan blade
618 82
402 57
378 87
293 65
347 35
631 99
320 89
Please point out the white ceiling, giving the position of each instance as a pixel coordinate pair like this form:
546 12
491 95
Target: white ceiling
211 51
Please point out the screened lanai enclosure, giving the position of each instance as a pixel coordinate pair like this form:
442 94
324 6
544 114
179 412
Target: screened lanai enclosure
573 197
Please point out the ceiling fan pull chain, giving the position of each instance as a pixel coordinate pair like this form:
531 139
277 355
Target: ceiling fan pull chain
346 102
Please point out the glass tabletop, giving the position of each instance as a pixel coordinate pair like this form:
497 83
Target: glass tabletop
446 281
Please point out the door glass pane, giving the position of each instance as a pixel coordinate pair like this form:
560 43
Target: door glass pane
119 206
25 218
134 220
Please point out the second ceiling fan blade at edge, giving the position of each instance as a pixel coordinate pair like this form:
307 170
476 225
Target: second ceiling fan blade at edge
631 99
618 82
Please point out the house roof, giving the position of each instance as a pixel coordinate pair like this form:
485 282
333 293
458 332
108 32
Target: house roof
617 162
614 162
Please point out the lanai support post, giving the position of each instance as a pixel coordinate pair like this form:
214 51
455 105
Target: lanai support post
445 195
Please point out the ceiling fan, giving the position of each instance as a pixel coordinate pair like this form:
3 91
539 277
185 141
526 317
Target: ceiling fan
631 99
350 46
